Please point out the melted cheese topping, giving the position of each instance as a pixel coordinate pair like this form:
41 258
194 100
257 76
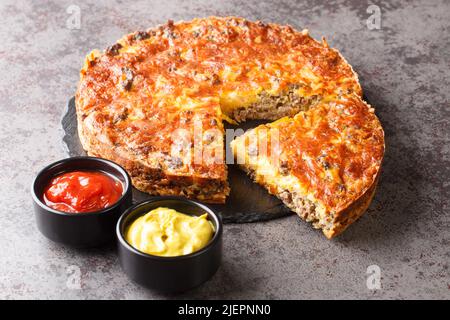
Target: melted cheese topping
133 96
330 154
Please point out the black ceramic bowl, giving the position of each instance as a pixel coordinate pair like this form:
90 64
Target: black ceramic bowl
170 274
79 229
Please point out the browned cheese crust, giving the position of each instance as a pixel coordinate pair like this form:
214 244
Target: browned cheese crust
322 163
134 95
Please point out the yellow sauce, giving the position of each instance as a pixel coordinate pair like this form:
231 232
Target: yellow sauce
168 233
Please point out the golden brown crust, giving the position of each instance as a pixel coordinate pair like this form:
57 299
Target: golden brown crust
352 213
326 159
334 149
133 96
151 179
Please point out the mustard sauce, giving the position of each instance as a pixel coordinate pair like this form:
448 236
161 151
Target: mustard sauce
168 233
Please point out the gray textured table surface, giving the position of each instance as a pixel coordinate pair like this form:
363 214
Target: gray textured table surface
404 69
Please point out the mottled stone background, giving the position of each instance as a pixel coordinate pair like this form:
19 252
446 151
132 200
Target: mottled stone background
404 69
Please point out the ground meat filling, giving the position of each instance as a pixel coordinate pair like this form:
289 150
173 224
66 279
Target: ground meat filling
273 107
305 208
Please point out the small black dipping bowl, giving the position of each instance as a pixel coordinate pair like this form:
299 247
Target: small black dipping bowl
87 229
170 274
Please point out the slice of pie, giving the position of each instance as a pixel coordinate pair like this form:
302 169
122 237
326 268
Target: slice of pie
322 163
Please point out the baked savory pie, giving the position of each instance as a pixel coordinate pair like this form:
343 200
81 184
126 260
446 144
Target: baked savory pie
322 163
140 101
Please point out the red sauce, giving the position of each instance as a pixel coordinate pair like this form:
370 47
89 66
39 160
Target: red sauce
82 191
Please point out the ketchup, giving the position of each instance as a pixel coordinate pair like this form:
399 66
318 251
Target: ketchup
82 191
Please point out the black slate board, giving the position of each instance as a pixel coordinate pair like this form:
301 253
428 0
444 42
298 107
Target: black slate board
247 202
